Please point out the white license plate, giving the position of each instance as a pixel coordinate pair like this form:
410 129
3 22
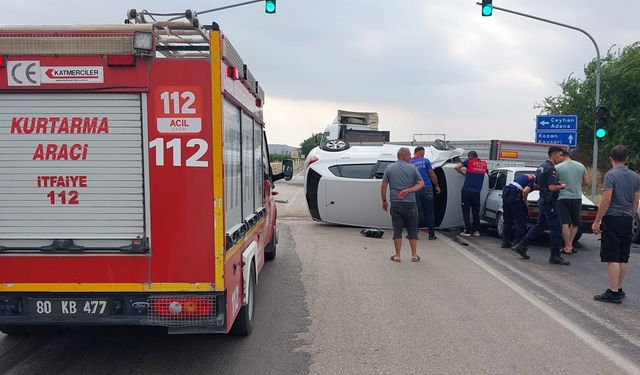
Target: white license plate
68 306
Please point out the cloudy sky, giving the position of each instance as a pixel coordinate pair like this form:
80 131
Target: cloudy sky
425 66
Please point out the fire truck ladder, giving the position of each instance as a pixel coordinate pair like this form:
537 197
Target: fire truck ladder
175 38
188 39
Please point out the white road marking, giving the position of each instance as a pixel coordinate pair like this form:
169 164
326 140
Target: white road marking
580 333
567 301
295 196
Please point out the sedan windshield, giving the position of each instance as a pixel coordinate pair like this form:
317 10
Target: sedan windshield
520 173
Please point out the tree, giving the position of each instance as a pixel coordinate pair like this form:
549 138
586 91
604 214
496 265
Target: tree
278 157
311 142
619 91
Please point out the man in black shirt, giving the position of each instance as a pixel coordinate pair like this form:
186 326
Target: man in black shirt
547 179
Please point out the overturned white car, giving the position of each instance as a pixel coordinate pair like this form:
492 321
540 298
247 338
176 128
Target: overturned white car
343 187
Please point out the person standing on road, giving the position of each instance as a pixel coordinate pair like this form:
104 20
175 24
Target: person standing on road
474 172
404 181
514 208
424 197
574 174
618 206
550 186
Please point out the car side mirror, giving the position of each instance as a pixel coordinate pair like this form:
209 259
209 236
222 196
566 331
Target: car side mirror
287 169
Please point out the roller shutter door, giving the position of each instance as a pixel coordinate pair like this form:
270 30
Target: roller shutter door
71 168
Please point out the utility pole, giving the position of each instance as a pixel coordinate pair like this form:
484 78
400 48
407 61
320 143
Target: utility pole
594 167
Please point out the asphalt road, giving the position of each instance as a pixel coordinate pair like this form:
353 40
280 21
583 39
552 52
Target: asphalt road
333 303
570 289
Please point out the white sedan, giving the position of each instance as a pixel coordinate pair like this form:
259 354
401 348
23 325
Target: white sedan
493 213
343 186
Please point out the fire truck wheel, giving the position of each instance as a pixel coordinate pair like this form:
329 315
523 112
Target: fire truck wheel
270 249
12 330
244 321
335 145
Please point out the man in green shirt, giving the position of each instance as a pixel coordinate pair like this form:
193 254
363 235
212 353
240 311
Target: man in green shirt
574 174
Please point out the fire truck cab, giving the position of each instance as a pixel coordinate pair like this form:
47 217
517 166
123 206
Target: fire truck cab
135 184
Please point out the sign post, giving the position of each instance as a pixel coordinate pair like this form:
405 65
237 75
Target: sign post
597 72
557 129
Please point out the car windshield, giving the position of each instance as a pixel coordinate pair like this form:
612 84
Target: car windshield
520 173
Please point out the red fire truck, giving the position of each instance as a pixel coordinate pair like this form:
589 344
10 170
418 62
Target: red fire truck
135 184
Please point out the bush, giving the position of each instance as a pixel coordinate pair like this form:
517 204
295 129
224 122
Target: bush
278 157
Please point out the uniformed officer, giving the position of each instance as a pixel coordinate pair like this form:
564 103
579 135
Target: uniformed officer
547 180
514 208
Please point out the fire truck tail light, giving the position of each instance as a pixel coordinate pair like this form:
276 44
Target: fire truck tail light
233 73
183 308
142 41
2 61
121 60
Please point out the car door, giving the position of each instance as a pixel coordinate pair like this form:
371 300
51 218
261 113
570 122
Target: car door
493 203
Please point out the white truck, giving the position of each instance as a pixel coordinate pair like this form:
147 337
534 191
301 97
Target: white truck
351 128
530 154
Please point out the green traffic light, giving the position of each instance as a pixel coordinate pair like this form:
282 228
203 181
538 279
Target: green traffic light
600 133
487 10
270 6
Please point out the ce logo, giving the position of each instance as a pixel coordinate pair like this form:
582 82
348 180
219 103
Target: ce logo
24 73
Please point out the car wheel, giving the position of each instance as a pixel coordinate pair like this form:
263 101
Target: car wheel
500 225
635 234
244 321
336 145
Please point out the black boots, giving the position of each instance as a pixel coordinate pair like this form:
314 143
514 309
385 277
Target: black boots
609 296
521 248
555 258
506 244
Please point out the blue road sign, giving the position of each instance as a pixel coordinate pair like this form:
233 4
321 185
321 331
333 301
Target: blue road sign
568 138
556 122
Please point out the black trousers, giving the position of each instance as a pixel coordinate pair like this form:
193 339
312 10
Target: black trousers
515 214
549 218
471 204
404 215
615 244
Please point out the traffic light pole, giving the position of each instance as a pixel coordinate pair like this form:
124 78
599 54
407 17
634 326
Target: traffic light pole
230 6
182 15
594 167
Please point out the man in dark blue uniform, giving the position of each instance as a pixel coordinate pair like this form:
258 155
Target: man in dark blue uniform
514 208
547 180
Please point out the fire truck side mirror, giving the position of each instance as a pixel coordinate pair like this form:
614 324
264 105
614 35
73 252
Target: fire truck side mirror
287 169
